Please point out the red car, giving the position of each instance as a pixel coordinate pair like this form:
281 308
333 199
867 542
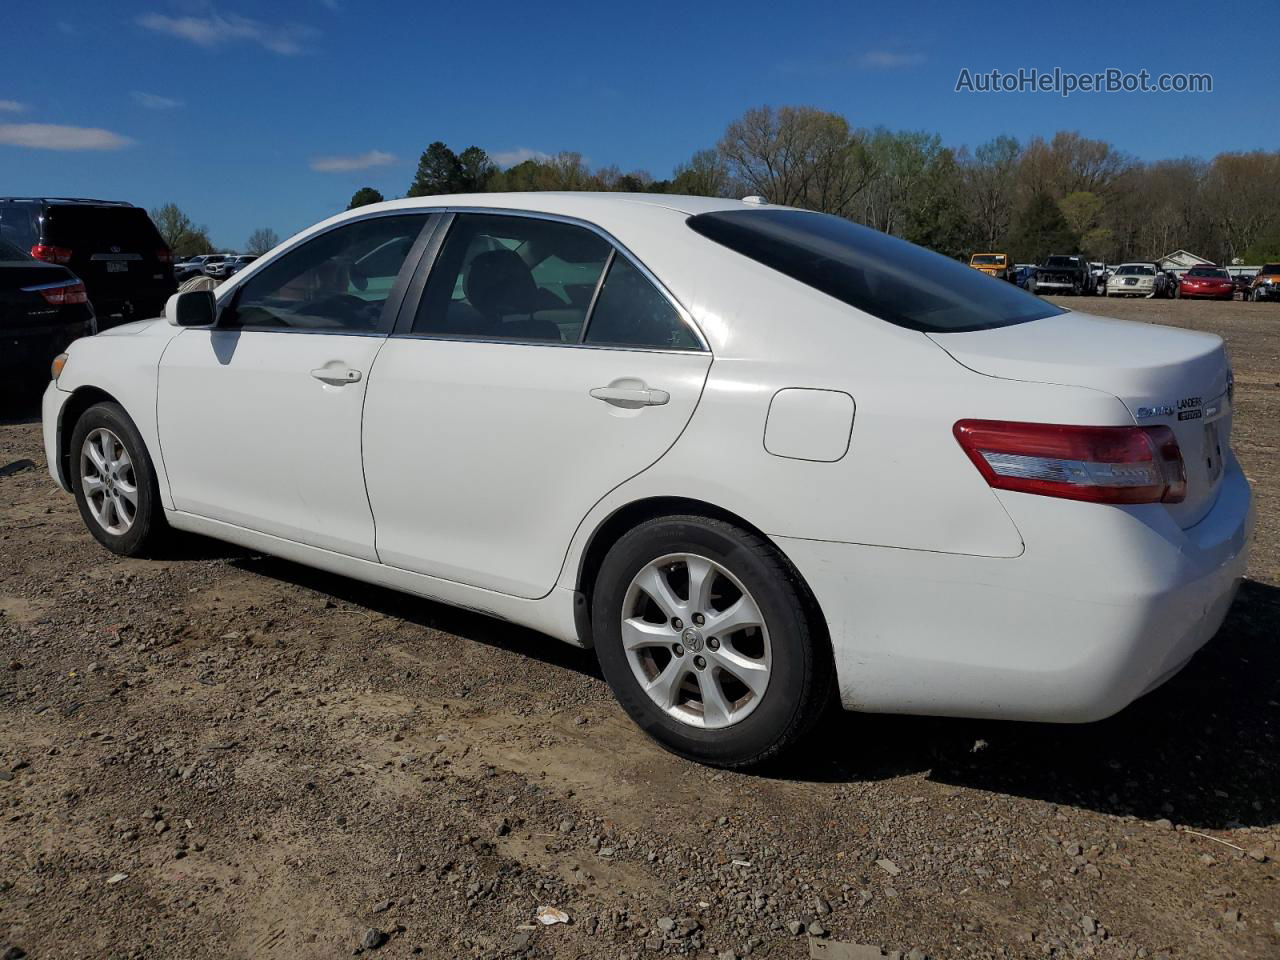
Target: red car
1211 282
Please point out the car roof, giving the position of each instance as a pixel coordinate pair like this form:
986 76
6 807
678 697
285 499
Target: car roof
86 201
580 203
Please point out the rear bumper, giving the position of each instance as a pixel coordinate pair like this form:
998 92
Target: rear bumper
1104 605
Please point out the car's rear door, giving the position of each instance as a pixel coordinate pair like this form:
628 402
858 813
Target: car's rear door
259 418
533 369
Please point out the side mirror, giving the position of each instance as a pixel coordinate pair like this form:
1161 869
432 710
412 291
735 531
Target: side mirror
195 308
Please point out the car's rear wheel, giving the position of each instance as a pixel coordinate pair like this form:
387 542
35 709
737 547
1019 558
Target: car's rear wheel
114 482
705 635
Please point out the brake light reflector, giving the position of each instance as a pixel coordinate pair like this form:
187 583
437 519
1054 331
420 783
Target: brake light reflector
50 254
164 255
72 291
1097 464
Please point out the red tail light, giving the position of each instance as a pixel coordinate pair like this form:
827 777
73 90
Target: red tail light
65 293
42 251
164 255
1097 464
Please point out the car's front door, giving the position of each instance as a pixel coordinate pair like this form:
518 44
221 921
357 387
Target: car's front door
538 369
259 417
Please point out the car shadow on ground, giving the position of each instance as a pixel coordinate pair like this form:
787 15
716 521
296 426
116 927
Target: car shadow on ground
1200 751
468 624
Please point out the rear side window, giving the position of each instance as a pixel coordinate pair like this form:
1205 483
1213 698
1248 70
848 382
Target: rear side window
97 229
18 224
631 312
10 252
888 278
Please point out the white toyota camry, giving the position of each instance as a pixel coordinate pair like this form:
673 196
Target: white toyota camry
758 458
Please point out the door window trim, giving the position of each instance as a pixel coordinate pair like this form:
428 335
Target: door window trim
390 306
403 328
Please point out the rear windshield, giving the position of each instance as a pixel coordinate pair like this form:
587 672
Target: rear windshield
881 275
77 225
9 251
1271 268
987 260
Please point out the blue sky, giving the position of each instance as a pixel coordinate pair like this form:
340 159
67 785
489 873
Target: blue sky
248 114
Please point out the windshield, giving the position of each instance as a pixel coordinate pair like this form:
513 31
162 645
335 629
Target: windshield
1271 268
987 260
1062 262
1135 270
9 251
1208 272
888 278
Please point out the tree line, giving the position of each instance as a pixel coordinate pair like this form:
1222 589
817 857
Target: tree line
186 238
1065 194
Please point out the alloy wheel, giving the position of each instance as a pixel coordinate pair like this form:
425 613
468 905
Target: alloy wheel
696 641
109 482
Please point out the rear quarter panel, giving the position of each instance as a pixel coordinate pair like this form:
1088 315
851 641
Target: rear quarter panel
903 483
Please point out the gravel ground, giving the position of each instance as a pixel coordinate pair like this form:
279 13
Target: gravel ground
220 754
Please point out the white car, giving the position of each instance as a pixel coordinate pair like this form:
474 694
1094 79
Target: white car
758 457
1137 280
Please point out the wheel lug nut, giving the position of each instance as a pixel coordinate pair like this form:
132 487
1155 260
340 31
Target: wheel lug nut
678 650
713 644
677 623
699 619
700 663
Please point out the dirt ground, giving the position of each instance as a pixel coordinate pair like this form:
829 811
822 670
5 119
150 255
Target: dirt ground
226 755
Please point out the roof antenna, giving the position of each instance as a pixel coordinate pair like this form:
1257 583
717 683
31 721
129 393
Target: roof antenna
754 199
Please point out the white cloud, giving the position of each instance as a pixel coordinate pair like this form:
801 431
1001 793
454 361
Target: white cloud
509 158
56 136
215 29
11 106
344 163
889 60
153 101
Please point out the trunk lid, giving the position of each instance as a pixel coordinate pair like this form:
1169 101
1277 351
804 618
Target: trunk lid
1163 375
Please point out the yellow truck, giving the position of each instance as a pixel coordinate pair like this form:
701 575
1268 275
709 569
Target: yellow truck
993 264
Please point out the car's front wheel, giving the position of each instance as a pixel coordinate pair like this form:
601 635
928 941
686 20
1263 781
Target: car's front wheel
705 635
114 481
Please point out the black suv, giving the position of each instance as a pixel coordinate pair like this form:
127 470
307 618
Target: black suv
112 246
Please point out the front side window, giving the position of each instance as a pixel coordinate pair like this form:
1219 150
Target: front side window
338 281
881 275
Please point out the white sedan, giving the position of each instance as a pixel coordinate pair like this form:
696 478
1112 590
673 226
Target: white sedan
758 458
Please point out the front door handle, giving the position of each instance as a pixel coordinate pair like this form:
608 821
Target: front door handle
336 376
631 394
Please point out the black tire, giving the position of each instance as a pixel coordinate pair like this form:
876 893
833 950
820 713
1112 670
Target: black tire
148 528
800 685
1076 288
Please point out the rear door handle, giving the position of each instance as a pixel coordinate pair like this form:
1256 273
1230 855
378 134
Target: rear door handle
638 396
336 375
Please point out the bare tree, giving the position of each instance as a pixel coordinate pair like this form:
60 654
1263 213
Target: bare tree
261 240
800 156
